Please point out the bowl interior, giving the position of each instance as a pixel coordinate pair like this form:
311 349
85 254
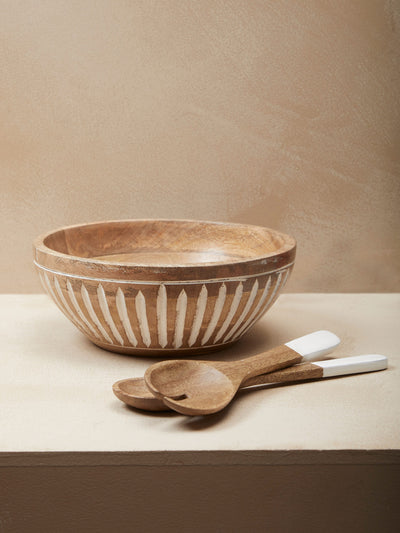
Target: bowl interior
167 242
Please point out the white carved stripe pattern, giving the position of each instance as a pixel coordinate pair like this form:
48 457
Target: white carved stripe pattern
92 313
162 316
256 310
199 314
101 296
181 306
245 311
124 317
141 311
260 309
234 305
218 307
79 310
117 319
75 318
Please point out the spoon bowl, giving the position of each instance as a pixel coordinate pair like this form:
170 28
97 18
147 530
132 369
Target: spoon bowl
135 393
206 387
193 386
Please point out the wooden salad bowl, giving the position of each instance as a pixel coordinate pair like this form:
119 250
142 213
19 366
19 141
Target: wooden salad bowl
164 287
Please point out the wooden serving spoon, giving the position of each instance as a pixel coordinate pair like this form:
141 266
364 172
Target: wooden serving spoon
205 387
134 392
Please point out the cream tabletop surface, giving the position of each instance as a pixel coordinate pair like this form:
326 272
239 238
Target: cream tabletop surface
56 396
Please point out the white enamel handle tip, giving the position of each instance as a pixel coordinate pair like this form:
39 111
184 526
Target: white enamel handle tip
314 345
352 365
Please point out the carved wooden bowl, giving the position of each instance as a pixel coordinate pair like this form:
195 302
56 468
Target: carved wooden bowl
164 287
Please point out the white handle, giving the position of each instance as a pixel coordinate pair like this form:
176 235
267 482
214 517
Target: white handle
352 365
315 344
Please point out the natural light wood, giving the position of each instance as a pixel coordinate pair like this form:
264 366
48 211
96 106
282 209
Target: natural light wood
164 287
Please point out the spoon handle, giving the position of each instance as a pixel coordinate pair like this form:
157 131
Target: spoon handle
263 363
306 348
322 369
300 372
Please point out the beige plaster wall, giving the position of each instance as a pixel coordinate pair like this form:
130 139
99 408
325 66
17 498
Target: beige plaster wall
278 113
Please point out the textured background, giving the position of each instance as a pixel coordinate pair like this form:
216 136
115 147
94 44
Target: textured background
279 113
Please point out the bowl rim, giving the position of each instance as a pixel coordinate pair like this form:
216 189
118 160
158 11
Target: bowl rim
49 259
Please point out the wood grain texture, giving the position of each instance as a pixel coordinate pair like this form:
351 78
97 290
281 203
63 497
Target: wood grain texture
164 287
